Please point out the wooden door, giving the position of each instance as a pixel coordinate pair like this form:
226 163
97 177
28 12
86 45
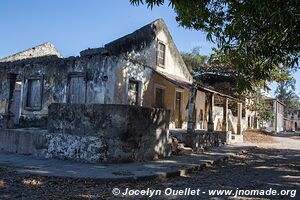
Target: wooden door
77 90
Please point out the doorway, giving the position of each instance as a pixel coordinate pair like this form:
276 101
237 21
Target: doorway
296 126
178 108
16 102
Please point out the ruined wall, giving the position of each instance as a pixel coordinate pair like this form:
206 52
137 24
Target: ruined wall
97 71
46 49
119 133
106 71
124 71
3 91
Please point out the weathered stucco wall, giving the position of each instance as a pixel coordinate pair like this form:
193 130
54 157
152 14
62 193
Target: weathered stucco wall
141 47
121 133
100 75
169 98
106 72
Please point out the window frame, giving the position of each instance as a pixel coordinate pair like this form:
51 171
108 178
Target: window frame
139 93
31 78
159 42
76 75
157 86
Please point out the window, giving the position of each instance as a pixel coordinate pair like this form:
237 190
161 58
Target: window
133 92
161 54
159 97
34 93
201 115
77 88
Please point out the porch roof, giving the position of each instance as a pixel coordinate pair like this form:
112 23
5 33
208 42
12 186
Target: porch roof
205 89
178 81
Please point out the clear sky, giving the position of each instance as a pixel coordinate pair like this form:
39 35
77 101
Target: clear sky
75 25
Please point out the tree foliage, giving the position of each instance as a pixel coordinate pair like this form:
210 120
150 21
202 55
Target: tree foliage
258 104
260 39
285 92
195 62
218 63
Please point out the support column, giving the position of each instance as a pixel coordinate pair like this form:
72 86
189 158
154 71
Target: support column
239 118
191 110
275 117
225 115
211 124
250 118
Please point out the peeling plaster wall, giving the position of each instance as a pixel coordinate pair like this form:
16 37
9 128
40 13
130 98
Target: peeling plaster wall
3 90
80 148
97 70
169 99
100 133
107 72
173 63
45 49
113 133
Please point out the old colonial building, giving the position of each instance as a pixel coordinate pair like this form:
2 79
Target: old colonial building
292 121
143 68
119 100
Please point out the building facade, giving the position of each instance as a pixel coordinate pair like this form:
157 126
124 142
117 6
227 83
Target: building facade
143 68
292 121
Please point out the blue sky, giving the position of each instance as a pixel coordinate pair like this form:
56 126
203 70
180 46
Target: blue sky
74 25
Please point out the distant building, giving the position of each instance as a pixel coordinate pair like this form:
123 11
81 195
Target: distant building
277 124
292 121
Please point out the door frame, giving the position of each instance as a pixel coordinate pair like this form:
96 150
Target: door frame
21 99
181 104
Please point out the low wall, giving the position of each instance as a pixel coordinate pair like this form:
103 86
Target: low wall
107 133
1 121
202 139
23 141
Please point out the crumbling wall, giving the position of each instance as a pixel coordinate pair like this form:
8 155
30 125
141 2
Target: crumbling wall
54 72
46 49
117 133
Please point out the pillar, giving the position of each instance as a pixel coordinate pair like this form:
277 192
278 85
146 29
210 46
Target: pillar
211 124
225 115
275 117
239 118
191 110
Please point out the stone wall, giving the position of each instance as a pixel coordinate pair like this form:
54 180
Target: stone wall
107 133
202 139
206 140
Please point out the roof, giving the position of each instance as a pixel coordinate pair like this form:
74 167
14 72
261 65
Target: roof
205 89
142 38
45 49
136 40
274 99
178 81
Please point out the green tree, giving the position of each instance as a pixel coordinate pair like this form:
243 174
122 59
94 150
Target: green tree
255 36
264 110
285 92
217 63
194 61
